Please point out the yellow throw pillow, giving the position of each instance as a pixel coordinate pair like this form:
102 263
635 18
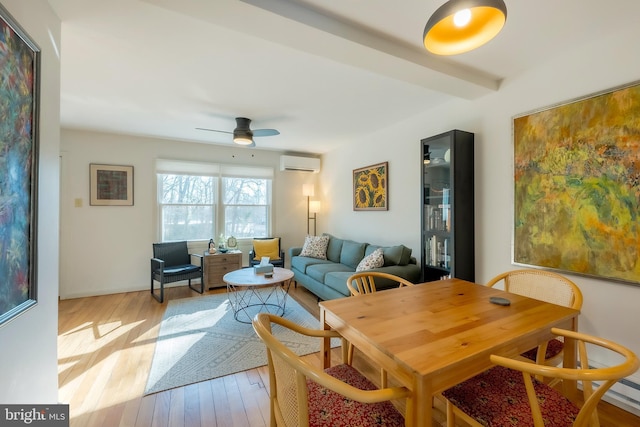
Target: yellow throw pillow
266 247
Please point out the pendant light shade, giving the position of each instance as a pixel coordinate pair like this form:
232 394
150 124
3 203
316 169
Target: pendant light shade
459 26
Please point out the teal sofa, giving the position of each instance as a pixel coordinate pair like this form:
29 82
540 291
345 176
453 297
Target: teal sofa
327 279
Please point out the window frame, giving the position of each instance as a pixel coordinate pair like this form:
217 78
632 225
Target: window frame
268 206
218 172
161 231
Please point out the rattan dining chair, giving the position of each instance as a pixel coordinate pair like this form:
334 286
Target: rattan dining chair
302 395
364 282
508 394
545 286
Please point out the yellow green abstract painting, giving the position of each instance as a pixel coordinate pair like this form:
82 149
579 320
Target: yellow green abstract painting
577 186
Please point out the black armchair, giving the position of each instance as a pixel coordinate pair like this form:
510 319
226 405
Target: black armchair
171 262
266 246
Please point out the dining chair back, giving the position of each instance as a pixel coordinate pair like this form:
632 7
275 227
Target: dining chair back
545 286
542 285
302 395
508 394
364 283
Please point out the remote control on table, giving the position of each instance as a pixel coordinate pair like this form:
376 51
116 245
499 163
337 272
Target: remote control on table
499 301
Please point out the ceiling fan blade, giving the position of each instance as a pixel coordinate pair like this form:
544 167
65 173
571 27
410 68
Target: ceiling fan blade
214 130
265 132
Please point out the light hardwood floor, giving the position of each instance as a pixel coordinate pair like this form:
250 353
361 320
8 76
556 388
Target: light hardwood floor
105 347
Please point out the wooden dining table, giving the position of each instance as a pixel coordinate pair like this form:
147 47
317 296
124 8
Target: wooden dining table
434 335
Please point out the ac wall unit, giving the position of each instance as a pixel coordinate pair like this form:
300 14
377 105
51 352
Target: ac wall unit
295 163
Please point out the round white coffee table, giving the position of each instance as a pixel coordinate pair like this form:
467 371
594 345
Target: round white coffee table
250 293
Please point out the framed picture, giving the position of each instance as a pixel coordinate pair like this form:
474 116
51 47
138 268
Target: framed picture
577 186
19 92
370 188
111 185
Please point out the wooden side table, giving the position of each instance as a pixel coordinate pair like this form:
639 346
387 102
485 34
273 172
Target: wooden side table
217 265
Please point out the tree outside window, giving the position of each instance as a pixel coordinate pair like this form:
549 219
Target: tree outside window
187 206
246 206
190 210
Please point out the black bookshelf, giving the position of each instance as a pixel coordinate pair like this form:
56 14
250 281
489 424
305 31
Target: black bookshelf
448 206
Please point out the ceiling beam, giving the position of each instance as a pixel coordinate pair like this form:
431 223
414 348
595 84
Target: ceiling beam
299 27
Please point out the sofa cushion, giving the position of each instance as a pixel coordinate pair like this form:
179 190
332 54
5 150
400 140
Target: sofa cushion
352 253
406 255
370 249
411 272
319 271
371 261
333 248
301 263
315 247
337 280
393 255
175 270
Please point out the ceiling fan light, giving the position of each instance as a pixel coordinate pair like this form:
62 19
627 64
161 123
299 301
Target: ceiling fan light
443 36
242 140
243 137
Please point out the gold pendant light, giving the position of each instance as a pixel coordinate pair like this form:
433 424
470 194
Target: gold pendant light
459 26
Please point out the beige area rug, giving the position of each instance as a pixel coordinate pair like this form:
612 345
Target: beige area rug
199 340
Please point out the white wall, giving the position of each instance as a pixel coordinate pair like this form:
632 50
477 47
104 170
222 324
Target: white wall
610 309
106 249
28 362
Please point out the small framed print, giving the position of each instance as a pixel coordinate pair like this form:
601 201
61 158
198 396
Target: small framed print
111 185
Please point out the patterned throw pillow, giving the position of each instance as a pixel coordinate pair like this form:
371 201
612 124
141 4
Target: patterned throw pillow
374 260
315 247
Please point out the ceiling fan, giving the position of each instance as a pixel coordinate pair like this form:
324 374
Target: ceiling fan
243 134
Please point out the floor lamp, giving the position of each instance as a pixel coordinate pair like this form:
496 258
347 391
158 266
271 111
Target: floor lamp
308 190
314 208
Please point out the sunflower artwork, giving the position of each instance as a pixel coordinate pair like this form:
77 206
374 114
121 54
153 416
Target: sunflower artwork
370 188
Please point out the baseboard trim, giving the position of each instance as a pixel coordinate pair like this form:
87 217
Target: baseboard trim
111 291
625 394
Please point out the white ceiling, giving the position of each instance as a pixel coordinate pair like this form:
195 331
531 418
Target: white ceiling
322 72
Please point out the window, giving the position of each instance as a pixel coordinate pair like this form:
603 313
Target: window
187 206
246 206
199 201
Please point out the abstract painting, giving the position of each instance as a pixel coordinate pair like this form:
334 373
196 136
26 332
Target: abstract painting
19 69
111 185
577 186
370 188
